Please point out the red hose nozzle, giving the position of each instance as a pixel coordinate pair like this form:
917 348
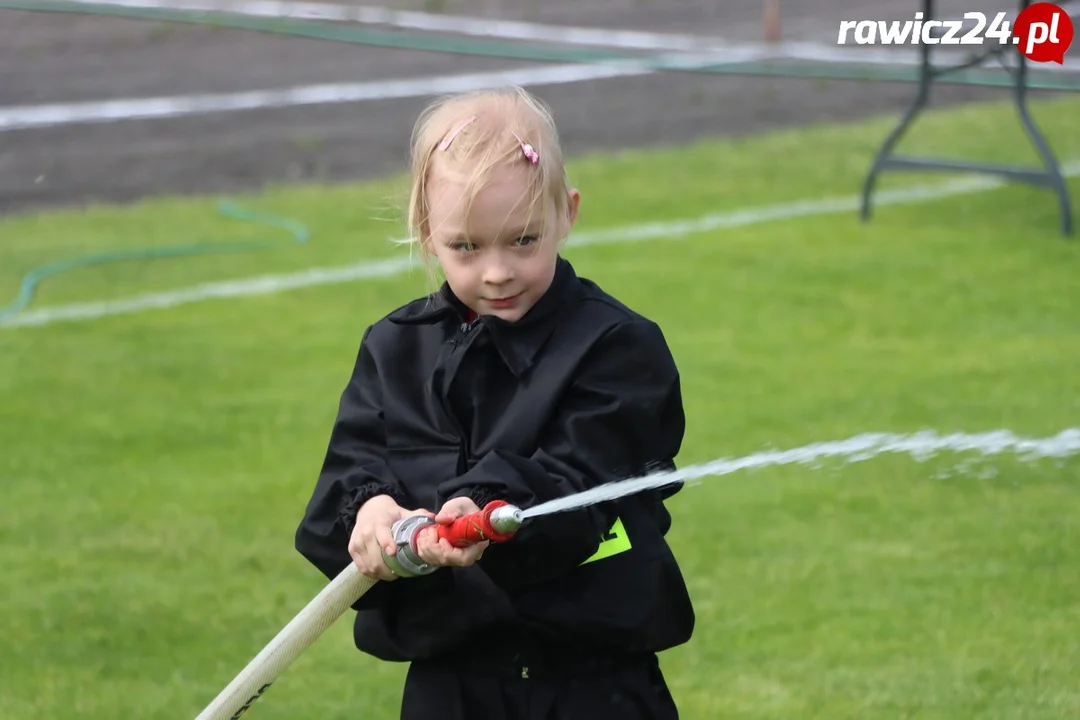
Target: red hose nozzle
497 522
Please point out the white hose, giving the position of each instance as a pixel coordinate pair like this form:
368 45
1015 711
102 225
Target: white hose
319 614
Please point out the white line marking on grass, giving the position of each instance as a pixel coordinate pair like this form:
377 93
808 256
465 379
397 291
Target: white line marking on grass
271 284
37 116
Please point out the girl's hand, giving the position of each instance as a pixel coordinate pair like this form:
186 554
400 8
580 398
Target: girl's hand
437 551
372 536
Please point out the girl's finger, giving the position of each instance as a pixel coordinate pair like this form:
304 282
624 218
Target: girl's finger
429 552
385 540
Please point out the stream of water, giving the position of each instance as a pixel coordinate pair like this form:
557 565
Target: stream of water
921 446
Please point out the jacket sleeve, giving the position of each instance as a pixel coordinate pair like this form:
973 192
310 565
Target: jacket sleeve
354 470
622 415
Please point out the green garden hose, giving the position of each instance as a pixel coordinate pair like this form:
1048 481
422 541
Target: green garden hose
33 278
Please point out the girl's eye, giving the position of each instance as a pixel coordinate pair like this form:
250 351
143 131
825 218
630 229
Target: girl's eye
463 247
526 240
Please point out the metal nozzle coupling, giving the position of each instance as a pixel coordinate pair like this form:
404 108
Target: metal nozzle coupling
506 519
407 562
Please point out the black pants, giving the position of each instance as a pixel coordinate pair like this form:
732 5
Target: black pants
522 686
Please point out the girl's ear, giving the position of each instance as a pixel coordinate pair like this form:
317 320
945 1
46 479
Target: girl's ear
573 199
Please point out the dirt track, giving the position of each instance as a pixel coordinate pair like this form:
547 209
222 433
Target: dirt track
63 58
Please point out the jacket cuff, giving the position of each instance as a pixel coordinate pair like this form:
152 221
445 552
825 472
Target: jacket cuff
352 501
479 495
493 478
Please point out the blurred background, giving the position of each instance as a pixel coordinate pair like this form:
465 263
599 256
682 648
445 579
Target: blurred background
249 97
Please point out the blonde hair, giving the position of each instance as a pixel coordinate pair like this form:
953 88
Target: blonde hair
501 121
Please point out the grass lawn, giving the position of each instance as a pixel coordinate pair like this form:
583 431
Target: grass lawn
155 464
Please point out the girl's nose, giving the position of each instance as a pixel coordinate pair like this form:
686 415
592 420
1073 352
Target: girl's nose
497 272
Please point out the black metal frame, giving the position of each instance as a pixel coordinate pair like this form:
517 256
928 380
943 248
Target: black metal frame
1049 177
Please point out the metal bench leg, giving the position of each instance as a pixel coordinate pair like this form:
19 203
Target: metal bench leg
1053 170
921 99
1049 176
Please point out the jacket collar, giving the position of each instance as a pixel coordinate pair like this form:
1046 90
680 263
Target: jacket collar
517 342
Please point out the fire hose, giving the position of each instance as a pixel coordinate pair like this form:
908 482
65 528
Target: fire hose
498 521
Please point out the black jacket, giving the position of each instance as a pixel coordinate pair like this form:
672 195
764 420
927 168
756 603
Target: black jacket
580 391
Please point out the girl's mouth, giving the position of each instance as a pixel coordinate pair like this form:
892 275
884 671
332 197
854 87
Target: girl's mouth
505 302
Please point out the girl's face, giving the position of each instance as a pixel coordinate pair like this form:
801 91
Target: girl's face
506 260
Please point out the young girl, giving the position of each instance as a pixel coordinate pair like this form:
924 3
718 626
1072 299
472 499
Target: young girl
514 380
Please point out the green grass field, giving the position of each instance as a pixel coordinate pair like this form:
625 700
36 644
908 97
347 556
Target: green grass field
154 465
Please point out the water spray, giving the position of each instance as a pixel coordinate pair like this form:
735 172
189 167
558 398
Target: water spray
498 521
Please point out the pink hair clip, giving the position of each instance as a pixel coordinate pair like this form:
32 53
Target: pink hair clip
528 150
445 144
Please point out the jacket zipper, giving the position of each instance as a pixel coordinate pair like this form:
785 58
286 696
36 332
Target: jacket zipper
463 450
463 332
